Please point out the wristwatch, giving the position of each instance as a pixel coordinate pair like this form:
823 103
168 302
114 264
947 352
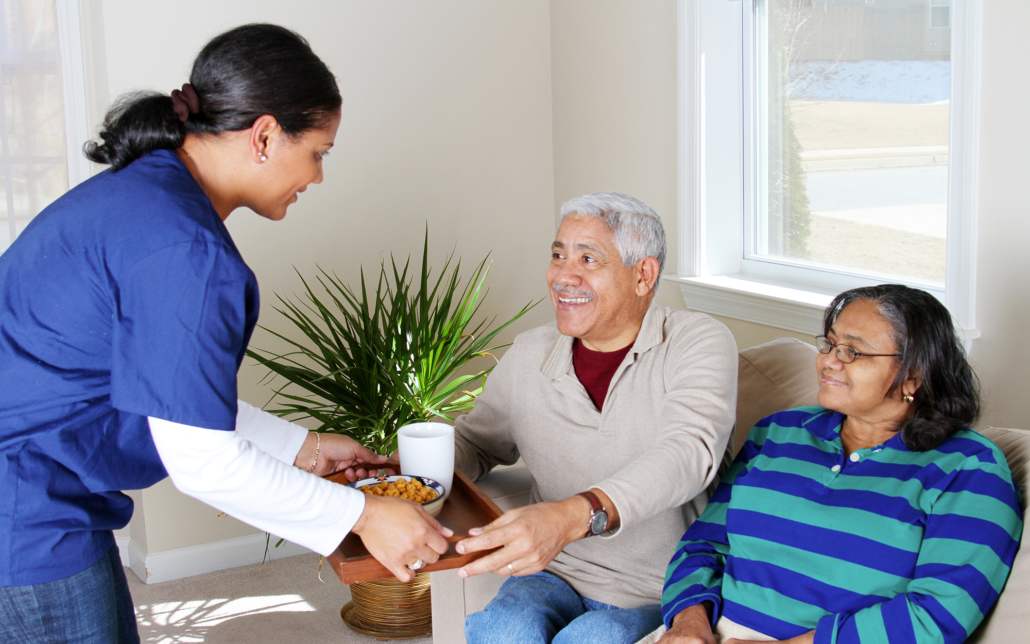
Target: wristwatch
598 515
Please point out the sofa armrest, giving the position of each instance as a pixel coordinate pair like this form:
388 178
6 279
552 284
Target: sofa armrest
508 487
1009 620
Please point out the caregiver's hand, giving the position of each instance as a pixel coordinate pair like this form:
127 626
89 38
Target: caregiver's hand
398 533
336 453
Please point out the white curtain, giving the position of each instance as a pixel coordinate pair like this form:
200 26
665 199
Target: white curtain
33 147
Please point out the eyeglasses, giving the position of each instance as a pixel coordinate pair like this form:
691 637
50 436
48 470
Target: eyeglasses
846 354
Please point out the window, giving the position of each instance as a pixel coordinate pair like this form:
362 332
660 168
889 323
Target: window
825 144
42 108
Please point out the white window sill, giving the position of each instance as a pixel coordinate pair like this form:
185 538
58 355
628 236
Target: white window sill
746 297
783 305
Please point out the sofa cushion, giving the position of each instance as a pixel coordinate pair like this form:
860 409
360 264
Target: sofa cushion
1009 620
772 377
507 486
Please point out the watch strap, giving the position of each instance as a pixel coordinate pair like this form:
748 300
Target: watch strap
595 503
595 507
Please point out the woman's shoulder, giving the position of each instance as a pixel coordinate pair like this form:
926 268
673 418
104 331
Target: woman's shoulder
796 426
155 183
152 204
969 449
814 418
972 467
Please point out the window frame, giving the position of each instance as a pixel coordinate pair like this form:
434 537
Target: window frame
73 81
714 275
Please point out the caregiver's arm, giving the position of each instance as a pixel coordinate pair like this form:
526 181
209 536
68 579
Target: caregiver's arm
272 435
230 473
291 443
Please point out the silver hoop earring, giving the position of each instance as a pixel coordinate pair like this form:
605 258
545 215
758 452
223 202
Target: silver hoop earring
263 158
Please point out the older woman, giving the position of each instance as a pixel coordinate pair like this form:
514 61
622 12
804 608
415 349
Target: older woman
878 516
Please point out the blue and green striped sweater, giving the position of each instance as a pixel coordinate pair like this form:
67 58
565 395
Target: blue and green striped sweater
887 545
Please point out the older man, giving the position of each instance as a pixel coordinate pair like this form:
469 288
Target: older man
622 412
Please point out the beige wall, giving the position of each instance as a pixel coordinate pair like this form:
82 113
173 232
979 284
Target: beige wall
446 120
613 82
1002 355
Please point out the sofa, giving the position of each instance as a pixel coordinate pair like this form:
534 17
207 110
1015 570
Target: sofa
771 377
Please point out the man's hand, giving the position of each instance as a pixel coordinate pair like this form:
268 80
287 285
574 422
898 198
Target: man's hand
528 537
398 533
335 454
690 626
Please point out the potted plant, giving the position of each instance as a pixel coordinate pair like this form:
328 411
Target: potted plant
369 361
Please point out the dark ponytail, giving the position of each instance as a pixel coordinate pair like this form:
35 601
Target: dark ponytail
138 123
239 76
948 398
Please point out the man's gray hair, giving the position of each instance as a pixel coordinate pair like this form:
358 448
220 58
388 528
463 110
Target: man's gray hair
636 228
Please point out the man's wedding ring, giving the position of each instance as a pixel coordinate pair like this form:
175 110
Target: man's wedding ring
415 566
511 569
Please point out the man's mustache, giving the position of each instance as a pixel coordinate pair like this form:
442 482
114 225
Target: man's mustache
568 290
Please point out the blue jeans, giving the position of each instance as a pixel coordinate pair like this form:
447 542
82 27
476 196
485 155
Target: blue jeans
542 608
89 607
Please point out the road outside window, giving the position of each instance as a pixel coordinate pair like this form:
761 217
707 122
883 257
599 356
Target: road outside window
852 135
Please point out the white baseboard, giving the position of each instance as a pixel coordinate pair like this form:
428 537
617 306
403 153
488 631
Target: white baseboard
196 560
123 549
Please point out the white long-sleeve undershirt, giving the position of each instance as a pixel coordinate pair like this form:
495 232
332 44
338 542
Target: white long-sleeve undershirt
249 475
273 435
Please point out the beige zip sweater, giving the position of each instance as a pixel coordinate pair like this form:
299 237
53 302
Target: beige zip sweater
654 450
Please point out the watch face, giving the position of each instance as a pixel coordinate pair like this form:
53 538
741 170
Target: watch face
598 522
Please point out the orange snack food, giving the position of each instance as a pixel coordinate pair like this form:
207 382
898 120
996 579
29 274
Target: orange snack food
412 490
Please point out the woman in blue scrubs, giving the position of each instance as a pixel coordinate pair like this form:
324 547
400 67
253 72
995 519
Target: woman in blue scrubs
125 311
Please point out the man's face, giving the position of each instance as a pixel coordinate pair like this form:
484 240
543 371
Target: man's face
595 297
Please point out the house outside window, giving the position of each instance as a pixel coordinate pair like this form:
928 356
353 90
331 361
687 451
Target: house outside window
940 14
825 144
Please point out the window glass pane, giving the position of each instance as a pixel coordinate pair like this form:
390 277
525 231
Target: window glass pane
940 16
32 137
852 135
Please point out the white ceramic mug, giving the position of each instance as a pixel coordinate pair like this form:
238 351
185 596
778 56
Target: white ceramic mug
427 449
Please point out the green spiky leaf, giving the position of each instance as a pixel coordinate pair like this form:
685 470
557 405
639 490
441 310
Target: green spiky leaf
367 362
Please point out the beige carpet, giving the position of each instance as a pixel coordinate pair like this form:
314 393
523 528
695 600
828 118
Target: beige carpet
281 601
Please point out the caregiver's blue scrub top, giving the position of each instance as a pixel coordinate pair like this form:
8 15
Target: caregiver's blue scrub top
125 298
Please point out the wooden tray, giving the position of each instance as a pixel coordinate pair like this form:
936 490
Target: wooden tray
467 507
